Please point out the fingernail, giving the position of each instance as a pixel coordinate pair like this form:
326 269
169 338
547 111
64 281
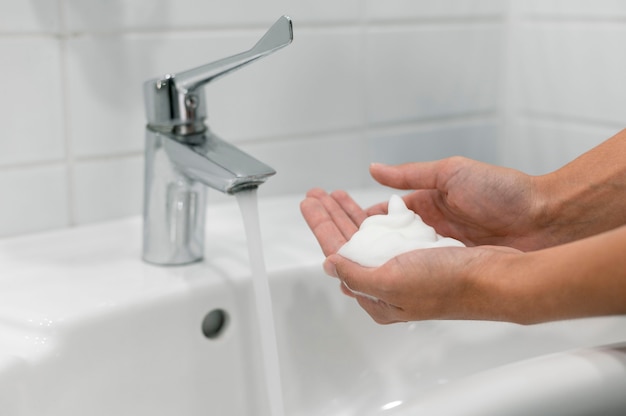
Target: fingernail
330 269
373 164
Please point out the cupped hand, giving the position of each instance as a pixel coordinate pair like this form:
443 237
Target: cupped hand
333 217
438 283
435 283
474 202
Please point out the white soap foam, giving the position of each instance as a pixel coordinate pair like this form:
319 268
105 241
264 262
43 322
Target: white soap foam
383 237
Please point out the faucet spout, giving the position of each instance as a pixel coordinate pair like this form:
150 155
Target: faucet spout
177 175
217 163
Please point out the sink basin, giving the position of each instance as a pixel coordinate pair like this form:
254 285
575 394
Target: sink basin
87 328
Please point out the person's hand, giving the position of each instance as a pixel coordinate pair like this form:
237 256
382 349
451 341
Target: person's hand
571 222
586 277
439 283
474 202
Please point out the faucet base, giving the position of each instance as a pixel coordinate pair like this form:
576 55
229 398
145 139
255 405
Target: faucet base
176 177
174 210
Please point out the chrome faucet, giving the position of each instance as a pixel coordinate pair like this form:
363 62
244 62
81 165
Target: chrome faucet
182 156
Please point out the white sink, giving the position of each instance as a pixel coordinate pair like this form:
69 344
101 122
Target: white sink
86 328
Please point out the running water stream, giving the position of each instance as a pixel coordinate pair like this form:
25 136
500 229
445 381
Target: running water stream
269 351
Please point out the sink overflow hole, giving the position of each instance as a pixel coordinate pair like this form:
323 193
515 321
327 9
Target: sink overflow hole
214 323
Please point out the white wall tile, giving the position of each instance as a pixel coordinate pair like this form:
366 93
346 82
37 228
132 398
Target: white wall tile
33 199
573 70
542 146
29 16
105 76
473 139
424 9
32 98
323 11
567 89
337 161
573 8
432 71
313 85
113 15
105 189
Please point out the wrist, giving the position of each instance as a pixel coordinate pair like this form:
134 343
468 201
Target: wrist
585 197
562 208
496 279
517 287
580 279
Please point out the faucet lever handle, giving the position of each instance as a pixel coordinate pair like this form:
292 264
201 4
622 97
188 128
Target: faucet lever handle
175 103
278 36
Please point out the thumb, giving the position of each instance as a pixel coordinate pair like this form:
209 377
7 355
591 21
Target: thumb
358 279
361 282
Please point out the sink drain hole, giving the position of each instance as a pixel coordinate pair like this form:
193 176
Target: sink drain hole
214 323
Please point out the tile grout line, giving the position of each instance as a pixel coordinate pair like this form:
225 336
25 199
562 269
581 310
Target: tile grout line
69 151
507 97
365 128
362 21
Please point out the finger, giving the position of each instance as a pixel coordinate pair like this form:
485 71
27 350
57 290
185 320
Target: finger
346 291
329 237
316 193
381 312
378 209
356 277
429 204
335 210
418 175
361 283
354 211
339 216
357 294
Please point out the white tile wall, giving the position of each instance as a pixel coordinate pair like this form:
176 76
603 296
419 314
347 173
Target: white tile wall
331 161
431 71
33 198
291 93
583 9
31 101
395 10
566 83
570 69
107 188
544 144
29 16
476 139
115 15
364 80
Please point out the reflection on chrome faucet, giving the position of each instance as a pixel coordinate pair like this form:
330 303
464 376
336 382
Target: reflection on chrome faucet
183 156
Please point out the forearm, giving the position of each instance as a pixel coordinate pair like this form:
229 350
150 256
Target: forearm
579 279
586 196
